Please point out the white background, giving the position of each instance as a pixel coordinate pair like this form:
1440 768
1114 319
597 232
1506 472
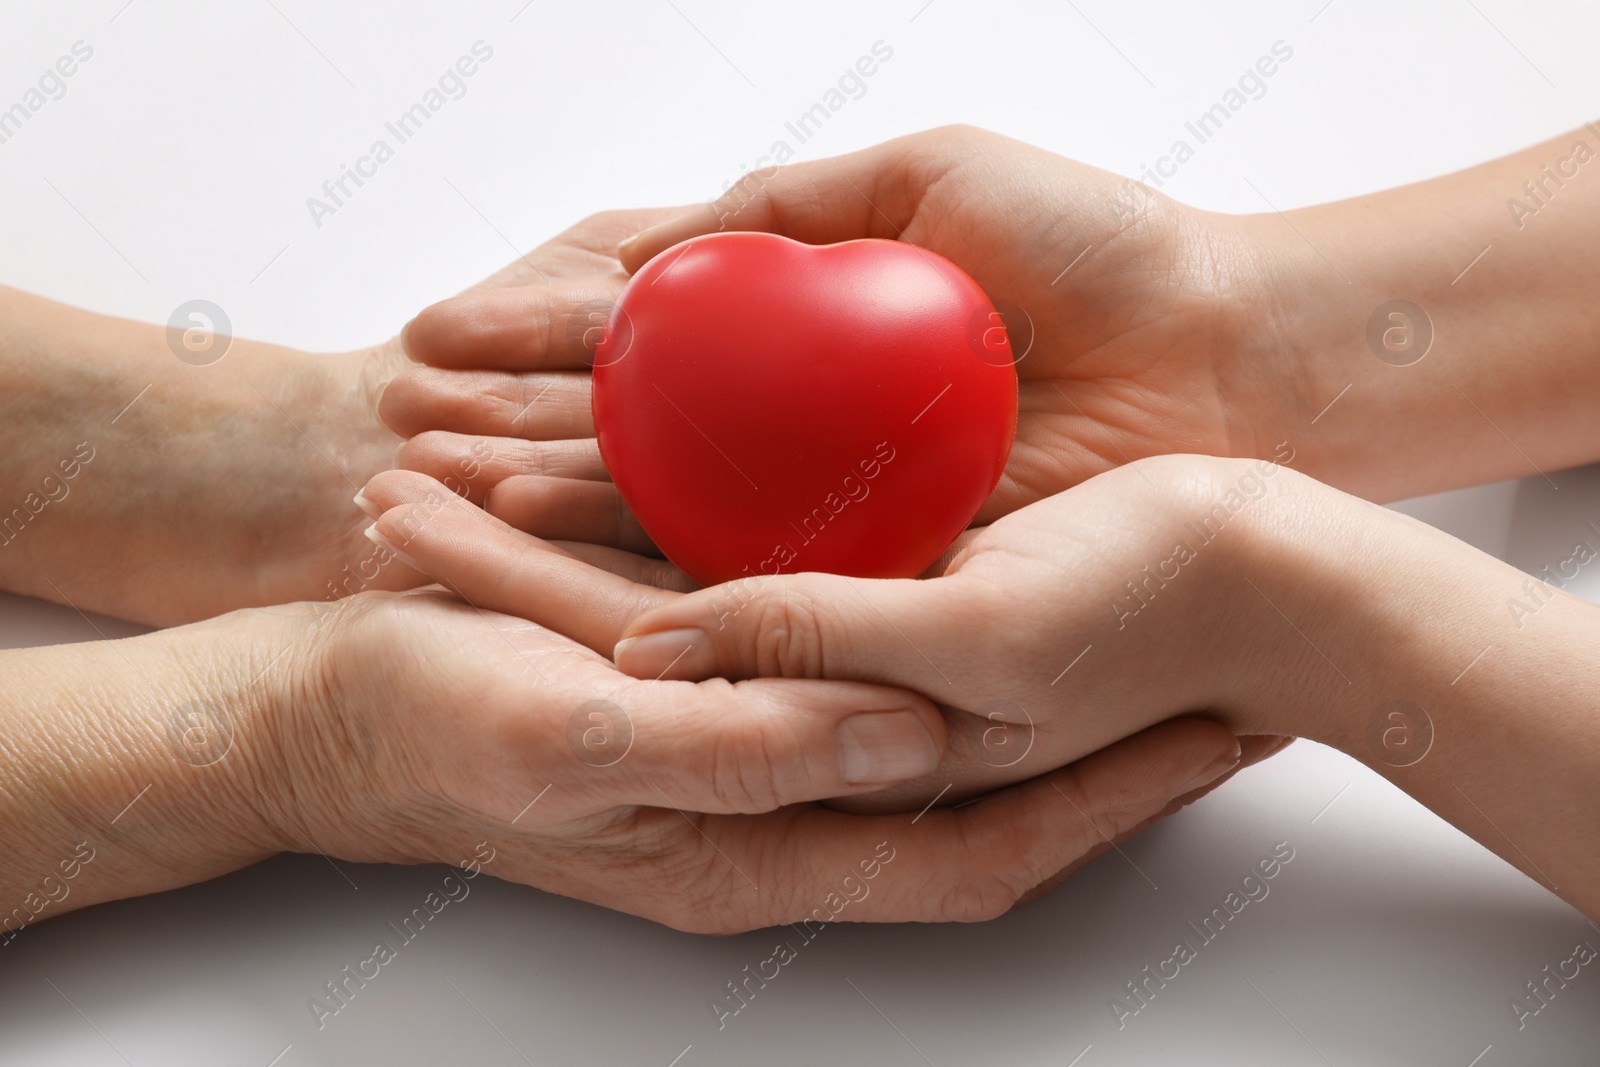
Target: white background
178 165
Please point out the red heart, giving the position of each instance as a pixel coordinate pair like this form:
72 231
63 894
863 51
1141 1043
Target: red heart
766 406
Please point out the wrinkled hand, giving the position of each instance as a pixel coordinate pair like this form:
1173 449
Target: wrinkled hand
445 726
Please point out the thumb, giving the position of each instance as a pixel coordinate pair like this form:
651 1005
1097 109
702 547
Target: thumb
870 193
812 625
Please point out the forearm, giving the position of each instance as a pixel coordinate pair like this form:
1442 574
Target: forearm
1504 262
133 766
139 484
1465 682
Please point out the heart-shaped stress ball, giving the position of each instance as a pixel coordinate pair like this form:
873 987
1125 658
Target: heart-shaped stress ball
766 406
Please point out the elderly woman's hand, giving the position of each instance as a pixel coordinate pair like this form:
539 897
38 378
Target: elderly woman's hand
413 727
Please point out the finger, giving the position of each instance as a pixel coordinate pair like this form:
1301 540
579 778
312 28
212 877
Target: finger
948 557
1231 756
1253 748
723 748
496 568
894 631
586 249
871 193
534 406
984 756
472 465
965 865
641 569
567 509
532 327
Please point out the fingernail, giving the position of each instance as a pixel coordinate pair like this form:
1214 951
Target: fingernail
686 654
372 510
668 232
884 746
377 398
405 340
371 534
1216 769
1277 747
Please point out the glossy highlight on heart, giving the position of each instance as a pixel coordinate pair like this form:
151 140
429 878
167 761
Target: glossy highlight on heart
766 406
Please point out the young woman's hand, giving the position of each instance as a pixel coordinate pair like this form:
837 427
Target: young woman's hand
1129 314
1143 326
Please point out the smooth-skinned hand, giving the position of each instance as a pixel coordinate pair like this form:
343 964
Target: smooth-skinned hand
1132 317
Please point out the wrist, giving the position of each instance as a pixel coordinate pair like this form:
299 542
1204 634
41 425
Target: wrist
121 449
150 753
334 774
1346 318
1220 634
1348 609
1398 325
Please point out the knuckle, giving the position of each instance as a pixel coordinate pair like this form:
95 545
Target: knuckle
1217 493
1030 849
691 910
425 449
435 320
957 142
530 459
788 638
687 920
710 918
747 199
1114 813
978 898
551 326
623 524
746 772
503 390
713 904
960 131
